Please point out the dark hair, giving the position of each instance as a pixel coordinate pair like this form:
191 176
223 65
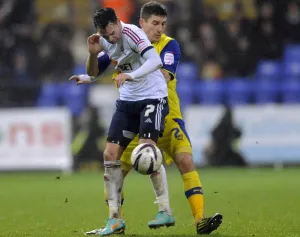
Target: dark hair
103 17
153 8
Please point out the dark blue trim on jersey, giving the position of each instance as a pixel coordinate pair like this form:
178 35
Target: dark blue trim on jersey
171 47
103 62
182 127
146 49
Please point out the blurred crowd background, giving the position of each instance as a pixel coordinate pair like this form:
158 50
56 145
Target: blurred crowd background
44 42
233 52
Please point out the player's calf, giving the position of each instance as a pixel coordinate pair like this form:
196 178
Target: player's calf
191 182
184 162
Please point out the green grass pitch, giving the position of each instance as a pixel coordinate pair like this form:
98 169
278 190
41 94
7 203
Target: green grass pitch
254 202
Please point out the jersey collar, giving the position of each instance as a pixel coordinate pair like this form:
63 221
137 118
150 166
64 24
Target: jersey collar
123 25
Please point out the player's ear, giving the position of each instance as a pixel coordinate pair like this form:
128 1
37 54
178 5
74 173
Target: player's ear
118 21
141 21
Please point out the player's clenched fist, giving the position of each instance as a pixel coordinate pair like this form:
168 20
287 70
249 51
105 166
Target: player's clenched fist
121 78
94 45
82 79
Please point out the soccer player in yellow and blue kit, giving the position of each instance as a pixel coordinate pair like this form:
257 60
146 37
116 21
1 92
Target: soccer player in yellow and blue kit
175 141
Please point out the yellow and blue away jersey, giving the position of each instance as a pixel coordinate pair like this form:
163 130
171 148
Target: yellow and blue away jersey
169 51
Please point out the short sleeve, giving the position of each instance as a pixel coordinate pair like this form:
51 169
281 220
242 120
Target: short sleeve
138 40
103 61
170 57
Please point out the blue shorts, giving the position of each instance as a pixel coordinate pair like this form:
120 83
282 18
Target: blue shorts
144 117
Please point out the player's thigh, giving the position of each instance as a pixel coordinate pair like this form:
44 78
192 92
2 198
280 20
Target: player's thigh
152 118
112 152
175 139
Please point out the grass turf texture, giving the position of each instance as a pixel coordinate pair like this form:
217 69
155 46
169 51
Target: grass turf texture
254 202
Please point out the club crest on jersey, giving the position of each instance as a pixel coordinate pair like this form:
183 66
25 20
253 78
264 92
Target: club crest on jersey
169 58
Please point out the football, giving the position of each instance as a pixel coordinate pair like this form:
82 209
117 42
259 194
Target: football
146 158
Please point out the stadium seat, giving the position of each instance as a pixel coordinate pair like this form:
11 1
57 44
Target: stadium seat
209 92
238 91
292 53
74 97
49 95
79 69
186 71
290 90
265 91
268 69
185 94
291 69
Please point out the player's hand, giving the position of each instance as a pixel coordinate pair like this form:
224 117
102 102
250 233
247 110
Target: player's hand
93 43
81 79
121 78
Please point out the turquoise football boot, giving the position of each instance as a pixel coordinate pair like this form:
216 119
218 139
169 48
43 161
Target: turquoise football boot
94 232
113 226
162 219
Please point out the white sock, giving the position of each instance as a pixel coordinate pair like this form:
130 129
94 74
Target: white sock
160 186
120 188
112 180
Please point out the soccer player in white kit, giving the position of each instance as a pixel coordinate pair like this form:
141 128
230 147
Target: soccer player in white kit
142 106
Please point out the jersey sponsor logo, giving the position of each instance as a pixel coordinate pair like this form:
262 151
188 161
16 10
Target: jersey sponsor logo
125 67
169 58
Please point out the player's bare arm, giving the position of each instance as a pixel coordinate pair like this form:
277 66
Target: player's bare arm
166 75
94 48
98 58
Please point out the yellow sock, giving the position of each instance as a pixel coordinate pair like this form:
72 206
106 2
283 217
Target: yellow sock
122 201
194 194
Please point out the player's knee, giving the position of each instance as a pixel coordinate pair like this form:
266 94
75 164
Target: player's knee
184 162
110 155
113 152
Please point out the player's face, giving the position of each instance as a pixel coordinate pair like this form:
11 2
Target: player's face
112 33
154 27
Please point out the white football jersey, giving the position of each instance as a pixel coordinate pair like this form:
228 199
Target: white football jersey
127 56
